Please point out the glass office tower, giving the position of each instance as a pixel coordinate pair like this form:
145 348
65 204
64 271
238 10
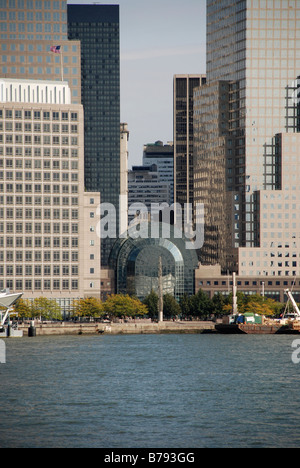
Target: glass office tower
97 29
252 66
183 134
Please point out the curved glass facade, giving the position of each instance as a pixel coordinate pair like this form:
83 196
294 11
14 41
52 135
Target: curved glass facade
135 262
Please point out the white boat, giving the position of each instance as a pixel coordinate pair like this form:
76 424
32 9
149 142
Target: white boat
7 301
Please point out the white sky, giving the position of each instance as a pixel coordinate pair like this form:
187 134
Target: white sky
158 39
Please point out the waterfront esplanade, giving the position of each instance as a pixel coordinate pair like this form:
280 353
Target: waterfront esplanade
135 260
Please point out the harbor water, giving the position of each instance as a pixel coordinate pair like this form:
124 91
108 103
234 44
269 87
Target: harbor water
150 391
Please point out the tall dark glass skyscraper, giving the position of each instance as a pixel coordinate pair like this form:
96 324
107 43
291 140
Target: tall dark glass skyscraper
97 28
183 134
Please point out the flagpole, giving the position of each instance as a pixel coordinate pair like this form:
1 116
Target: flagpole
58 50
61 65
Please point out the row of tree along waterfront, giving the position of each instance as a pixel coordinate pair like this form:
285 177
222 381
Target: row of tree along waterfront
199 307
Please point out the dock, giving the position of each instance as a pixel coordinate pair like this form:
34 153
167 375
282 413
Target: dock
131 328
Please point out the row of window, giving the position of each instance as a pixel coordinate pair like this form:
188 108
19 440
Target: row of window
28 164
37 176
36 127
29 256
47 228
39 188
38 213
38 285
34 47
39 70
37 201
19 139
33 27
245 283
38 115
38 152
36 37
28 270
34 4
31 16
40 59
38 242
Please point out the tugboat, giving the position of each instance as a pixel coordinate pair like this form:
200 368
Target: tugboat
7 301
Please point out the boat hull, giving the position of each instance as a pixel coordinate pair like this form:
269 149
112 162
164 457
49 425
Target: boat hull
254 329
9 332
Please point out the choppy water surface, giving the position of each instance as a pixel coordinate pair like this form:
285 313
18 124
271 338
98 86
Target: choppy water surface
150 391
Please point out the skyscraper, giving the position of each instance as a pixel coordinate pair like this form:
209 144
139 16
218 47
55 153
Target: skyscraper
97 29
252 67
183 134
46 234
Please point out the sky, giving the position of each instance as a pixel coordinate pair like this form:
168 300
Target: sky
158 39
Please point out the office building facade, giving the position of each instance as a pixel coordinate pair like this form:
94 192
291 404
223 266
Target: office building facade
97 29
48 236
145 189
183 135
250 135
163 157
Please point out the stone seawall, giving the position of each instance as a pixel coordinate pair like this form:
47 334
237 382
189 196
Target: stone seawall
69 328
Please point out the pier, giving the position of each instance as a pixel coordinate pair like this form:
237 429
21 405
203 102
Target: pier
130 328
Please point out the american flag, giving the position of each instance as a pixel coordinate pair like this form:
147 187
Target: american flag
55 49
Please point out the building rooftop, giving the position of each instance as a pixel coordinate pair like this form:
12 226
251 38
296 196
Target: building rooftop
34 91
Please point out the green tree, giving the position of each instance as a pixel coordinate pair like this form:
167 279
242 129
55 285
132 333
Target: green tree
151 302
23 308
258 304
47 309
201 305
88 307
185 305
218 302
171 307
255 303
121 306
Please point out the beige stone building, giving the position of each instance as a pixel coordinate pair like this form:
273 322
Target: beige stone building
49 244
